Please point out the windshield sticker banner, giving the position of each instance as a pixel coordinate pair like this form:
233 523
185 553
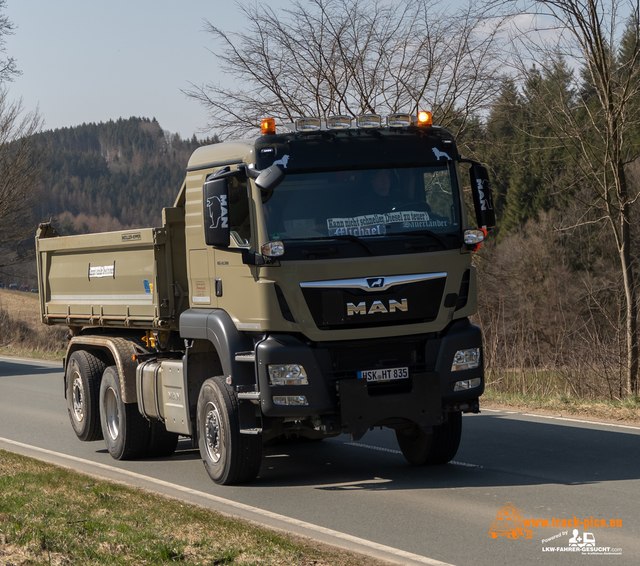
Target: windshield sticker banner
375 224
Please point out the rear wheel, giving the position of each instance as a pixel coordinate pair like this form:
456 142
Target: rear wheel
229 457
83 376
439 447
125 430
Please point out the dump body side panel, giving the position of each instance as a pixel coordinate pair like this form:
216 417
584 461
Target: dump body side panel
117 279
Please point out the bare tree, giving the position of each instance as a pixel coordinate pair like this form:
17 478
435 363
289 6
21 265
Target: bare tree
330 57
21 159
594 116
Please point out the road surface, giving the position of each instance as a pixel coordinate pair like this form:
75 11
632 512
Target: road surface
363 496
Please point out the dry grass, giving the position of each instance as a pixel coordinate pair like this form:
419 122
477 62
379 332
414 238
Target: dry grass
50 515
21 331
626 410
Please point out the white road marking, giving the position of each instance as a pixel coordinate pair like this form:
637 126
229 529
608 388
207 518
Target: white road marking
568 419
380 449
390 551
352 484
454 462
614 425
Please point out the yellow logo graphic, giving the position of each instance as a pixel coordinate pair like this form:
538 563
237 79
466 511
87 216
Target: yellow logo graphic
508 523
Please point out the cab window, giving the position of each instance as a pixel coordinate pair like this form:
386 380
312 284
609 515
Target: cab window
239 218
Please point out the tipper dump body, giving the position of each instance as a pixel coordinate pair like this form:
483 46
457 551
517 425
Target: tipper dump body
111 279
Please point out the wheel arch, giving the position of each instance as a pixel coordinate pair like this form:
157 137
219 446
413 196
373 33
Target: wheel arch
217 327
117 351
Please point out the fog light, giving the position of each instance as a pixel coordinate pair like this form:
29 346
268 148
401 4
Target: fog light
466 359
296 400
467 384
287 374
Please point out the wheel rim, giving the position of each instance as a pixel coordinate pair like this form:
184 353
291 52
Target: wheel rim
77 397
111 413
213 433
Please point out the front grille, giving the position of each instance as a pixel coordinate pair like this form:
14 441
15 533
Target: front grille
335 308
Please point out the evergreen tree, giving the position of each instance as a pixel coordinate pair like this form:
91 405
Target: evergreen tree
126 170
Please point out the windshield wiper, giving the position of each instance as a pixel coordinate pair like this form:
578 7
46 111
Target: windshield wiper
429 233
348 237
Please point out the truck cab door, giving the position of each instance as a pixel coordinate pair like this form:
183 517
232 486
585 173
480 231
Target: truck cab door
235 284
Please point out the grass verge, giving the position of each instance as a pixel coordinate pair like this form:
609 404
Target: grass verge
22 333
50 515
626 410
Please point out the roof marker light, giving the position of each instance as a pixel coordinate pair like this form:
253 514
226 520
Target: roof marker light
339 122
308 124
267 126
369 121
399 120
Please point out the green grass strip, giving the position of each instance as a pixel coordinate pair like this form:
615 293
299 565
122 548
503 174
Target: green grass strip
50 515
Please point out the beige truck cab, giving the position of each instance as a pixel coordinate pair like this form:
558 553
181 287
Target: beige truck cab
309 282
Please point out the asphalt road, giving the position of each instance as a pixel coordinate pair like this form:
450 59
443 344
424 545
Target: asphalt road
365 497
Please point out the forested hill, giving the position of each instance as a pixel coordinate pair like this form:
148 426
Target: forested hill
112 175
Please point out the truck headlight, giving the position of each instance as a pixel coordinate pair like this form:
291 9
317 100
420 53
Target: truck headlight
287 374
467 384
466 359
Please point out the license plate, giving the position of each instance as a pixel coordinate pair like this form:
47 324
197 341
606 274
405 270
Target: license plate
381 375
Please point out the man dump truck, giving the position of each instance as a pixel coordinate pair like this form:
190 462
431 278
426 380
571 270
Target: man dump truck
310 282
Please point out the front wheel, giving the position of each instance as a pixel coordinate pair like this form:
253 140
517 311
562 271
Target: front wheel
228 456
125 430
439 447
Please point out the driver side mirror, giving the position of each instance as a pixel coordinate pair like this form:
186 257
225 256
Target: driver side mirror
482 196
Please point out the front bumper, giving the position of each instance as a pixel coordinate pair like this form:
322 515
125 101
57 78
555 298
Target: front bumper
334 390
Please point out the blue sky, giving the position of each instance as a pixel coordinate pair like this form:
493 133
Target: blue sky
98 60
92 61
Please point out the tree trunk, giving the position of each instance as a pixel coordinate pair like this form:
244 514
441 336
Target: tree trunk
630 383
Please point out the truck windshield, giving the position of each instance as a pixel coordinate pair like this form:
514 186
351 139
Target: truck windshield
364 203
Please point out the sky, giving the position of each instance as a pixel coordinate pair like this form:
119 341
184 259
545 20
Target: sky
94 61
98 60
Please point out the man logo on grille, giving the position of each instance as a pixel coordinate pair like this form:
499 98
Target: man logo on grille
375 283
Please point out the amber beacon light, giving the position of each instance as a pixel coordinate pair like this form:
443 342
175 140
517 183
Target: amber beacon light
267 126
425 118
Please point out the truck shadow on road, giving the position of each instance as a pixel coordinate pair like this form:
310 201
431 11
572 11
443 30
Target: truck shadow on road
17 369
494 452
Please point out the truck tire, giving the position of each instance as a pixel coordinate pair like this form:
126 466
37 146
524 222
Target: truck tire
82 381
439 447
162 443
125 430
229 457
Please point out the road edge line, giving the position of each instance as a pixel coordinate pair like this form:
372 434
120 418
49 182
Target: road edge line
392 554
